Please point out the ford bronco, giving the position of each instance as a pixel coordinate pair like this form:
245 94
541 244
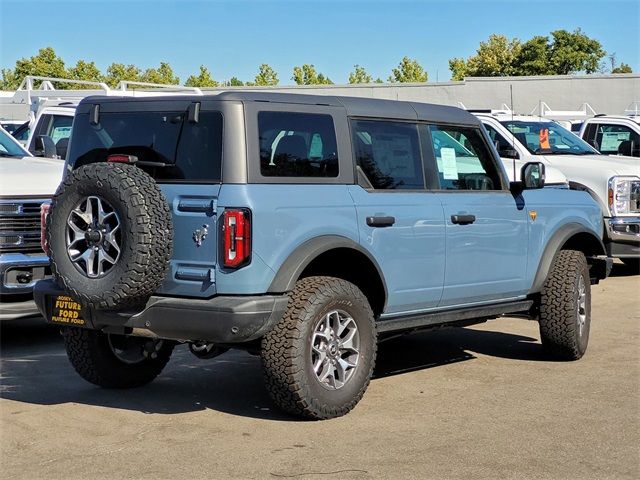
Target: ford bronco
304 229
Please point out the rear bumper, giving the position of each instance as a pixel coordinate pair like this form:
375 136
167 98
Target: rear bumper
222 319
14 310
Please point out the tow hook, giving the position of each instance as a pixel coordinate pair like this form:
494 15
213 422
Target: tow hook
204 350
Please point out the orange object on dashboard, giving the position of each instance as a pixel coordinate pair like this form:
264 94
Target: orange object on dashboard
544 139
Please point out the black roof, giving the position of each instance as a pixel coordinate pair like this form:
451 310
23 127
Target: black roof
354 106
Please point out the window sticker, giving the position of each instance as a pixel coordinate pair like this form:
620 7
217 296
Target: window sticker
449 165
611 140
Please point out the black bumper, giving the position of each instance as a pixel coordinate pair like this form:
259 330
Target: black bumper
222 319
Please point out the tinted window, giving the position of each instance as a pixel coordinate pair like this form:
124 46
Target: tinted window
498 140
463 159
297 145
388 154
168 146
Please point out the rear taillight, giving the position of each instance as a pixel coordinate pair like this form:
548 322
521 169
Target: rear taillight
119 158
44 211
236 237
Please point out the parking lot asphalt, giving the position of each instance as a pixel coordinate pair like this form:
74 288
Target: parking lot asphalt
478 402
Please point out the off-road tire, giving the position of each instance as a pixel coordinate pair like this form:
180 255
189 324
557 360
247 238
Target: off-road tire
559 307
92 357
146 233
286 355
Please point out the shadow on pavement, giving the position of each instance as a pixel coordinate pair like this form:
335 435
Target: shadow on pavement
35 369
622 270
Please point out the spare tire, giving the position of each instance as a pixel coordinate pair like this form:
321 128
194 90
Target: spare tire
110 235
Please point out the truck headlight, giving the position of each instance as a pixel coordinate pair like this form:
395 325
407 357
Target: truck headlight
624 195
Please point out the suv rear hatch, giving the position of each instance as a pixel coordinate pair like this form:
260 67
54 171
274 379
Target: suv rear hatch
179 143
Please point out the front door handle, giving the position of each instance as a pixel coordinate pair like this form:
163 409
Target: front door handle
380 221
463 219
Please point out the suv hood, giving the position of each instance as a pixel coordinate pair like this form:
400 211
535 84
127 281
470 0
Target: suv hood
29 176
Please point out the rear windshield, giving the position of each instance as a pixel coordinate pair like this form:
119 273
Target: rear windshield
167 145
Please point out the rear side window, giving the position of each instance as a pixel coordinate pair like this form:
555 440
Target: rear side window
388 154
463 159
297 145
167 145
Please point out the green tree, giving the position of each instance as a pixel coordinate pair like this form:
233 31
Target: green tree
45 64
163 75
307 75
494 58
408 71
203 79
9 81
572 52
458 67
533 58
235 82
85 71
120 71
359 75
266 76
623 68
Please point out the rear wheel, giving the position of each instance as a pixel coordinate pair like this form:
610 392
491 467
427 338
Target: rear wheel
116 361
319 358
565 308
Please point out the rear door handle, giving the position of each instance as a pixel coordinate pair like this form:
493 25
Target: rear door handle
381 221
463 219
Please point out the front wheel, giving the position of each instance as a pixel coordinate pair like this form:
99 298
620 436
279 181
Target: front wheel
115 361
565 306
319 358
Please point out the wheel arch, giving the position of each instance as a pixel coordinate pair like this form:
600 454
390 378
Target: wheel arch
572 236
333 255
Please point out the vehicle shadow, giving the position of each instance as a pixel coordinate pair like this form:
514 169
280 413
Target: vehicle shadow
37 371
619 269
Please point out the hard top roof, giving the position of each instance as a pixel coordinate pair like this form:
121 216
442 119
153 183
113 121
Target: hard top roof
354 106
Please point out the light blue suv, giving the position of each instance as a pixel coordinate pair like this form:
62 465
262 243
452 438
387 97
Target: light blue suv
305 229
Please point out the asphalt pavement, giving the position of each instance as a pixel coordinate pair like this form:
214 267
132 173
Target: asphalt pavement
480 402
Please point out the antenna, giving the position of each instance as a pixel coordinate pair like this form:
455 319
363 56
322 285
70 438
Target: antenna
513 135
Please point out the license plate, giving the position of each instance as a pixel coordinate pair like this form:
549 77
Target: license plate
67 311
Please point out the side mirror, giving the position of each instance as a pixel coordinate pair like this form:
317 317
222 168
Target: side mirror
45 147
508 153
532 175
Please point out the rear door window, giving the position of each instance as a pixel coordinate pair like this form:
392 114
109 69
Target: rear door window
297 145
166 144
388 154
610 138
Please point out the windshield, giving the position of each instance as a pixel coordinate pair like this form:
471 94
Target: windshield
548 138
8 146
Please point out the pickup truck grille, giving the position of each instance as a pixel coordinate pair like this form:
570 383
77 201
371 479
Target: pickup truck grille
20 225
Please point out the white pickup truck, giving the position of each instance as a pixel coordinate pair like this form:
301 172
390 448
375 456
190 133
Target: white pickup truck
613 181
26 182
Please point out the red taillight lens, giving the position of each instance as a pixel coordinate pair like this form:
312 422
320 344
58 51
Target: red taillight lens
44 211
118 158
236 235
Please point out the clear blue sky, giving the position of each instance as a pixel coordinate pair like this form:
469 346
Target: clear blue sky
233 38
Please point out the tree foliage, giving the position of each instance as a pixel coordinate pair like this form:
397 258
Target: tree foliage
359 75
623 68
120 71
163 75
307 75
203 79
563 53
266 76
85 71
408 71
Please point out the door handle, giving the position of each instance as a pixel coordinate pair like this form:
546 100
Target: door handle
381 221
463 219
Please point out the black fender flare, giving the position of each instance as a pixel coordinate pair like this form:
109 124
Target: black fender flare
555 243
304 254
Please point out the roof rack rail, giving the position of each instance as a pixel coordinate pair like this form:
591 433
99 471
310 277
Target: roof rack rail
123 86
545 110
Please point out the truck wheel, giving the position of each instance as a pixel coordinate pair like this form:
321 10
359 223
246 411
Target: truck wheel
110 235
115 361
565 307
319 358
